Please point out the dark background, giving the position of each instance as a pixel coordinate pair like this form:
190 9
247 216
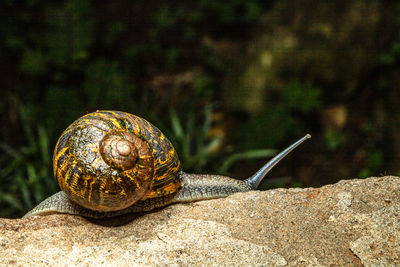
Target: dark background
229 82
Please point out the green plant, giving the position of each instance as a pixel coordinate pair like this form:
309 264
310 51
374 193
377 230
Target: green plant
195 147
26 177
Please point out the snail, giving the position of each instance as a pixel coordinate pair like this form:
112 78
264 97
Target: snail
109 163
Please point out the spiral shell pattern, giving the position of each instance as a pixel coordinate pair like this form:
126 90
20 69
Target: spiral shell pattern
108 160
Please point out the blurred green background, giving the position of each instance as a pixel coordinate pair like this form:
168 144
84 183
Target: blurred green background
229 82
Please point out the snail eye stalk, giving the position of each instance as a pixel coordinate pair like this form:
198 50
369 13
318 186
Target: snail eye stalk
255 180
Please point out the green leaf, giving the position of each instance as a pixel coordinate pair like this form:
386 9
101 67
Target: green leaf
251 154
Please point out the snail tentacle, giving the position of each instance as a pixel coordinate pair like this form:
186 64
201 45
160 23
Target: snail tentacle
255 180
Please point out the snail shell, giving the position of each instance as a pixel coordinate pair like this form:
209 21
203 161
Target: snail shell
108 160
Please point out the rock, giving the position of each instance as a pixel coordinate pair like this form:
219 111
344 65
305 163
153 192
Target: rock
351 223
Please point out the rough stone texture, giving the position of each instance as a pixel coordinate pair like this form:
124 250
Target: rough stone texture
351 223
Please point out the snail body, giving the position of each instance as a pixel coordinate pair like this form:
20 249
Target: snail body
109 163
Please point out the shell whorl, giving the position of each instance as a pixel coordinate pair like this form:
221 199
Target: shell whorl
108 160
120 149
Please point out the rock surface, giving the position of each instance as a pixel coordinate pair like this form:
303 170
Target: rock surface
351 223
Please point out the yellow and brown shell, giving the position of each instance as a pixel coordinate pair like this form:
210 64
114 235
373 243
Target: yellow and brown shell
108 160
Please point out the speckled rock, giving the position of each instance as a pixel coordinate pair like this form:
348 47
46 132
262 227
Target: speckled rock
351 223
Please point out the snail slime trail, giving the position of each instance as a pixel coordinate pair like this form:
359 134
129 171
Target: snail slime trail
109 163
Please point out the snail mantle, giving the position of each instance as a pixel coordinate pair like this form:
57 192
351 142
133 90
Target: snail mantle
350 223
